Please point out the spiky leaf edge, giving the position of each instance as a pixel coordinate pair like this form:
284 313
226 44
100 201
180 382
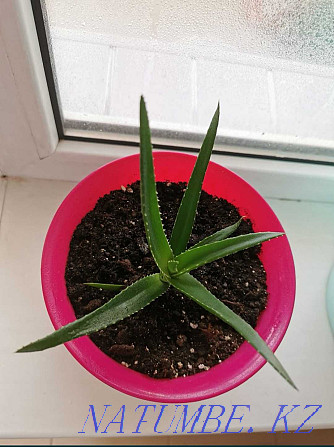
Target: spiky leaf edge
155 234
195 290
219 235
187 211
129 301
196 257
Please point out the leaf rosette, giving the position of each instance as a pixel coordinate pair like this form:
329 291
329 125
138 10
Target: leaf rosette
172 258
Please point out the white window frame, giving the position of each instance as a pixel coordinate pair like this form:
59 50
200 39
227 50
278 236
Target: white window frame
30 147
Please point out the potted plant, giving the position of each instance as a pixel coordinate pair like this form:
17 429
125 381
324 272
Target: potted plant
174 262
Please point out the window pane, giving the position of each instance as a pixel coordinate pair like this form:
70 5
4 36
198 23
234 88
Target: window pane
271 65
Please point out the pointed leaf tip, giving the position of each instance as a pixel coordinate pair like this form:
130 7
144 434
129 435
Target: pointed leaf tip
98 285
191 287
187 211
203 254
219 235
127 302
155 234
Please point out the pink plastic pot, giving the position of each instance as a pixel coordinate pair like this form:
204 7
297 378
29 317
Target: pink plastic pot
276 257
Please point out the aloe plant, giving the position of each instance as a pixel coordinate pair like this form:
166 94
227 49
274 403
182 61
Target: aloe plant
172 258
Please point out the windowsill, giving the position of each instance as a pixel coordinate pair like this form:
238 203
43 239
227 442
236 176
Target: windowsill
49 392
291 180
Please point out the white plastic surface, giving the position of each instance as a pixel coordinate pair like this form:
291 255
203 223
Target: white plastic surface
330 299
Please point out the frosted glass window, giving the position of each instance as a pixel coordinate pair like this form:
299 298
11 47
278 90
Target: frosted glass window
269 63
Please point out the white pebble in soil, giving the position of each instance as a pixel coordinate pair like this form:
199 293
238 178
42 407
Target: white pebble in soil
204 367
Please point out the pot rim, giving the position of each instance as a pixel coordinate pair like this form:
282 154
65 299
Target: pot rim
276 254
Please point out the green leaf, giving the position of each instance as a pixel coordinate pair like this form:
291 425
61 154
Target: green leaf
195 257
186 214
219 235
126 303
98 285
188 285
155 234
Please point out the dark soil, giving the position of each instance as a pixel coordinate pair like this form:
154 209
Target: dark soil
173 336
